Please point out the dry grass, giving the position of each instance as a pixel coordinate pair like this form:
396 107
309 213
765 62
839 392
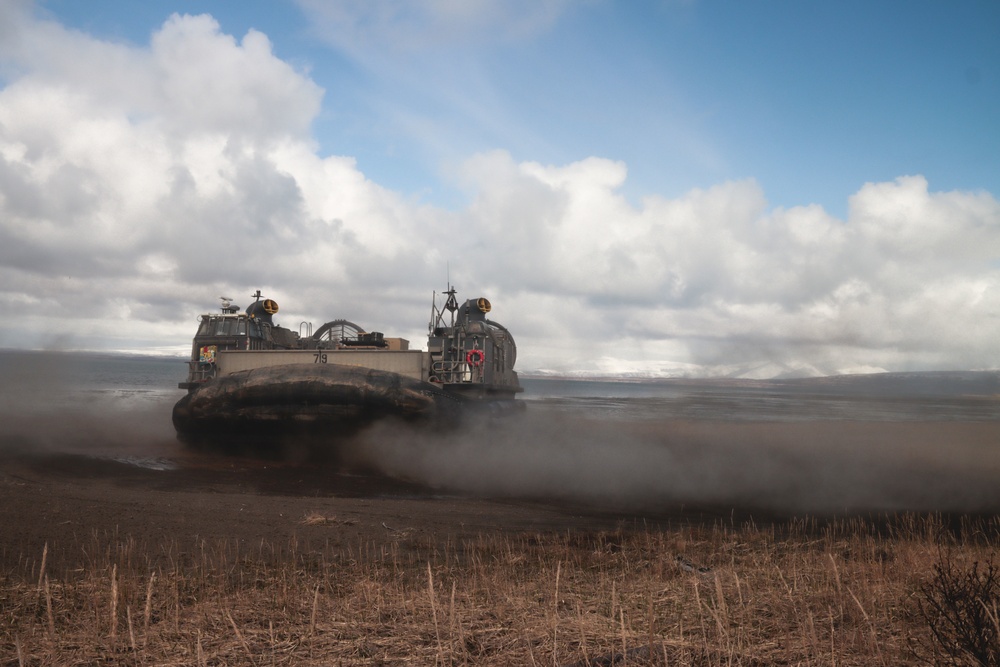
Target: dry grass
841 593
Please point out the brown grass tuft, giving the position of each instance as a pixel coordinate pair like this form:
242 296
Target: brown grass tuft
844 592
315 519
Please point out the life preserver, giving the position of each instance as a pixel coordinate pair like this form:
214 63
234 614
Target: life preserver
475 358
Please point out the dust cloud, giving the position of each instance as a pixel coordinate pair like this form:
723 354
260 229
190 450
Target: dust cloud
52 403
819 467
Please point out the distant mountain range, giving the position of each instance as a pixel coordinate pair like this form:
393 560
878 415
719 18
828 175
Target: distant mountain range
926 383
770 370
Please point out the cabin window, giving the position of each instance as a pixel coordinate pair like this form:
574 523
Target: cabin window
224 326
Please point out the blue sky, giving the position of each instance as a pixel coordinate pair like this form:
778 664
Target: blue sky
673 187
810 99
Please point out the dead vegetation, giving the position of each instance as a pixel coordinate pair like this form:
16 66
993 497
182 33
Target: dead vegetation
889 591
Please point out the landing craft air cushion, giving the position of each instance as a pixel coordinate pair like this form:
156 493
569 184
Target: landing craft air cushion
251 379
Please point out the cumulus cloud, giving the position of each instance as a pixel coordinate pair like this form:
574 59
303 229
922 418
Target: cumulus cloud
138 183
908 280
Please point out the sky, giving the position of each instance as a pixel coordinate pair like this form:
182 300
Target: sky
658 187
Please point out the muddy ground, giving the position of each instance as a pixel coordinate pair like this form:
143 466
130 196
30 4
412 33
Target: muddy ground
65 497
65 500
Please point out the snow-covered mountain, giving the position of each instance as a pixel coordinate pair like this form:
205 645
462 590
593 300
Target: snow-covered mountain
610 369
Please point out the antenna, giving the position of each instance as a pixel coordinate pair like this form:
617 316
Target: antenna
450 304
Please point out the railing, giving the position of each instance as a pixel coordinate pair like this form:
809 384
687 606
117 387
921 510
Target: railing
452 372
199 372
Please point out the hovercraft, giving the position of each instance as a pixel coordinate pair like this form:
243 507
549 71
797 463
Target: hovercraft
250 379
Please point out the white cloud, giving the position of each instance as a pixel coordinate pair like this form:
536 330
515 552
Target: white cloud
206 81
910 279
138 183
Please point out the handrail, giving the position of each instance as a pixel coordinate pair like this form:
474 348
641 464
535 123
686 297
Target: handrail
198 372
453 372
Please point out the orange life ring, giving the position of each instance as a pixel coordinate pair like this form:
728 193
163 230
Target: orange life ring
475 358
